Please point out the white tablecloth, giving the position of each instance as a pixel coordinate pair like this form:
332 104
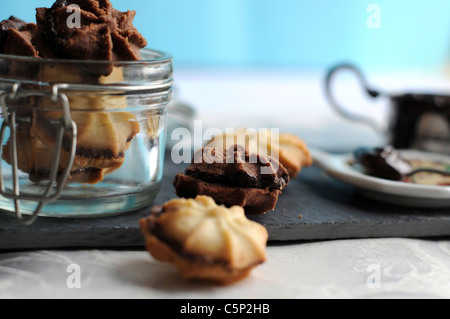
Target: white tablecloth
363 268
360 268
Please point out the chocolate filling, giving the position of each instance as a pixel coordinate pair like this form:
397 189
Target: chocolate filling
40 175
98 154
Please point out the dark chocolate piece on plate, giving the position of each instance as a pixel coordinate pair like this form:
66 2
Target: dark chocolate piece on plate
385 163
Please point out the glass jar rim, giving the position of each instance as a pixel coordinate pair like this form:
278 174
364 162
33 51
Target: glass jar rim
159 57
154 73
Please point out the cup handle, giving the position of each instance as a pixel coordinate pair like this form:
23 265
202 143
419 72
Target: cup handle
342 110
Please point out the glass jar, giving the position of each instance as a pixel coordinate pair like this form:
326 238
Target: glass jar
82 138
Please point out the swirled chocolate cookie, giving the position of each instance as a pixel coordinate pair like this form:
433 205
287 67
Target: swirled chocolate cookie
234 177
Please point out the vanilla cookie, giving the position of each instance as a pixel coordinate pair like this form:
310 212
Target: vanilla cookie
205 240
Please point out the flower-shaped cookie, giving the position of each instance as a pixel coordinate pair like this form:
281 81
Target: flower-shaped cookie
205 240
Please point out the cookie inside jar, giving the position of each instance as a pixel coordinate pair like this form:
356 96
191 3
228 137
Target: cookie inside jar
112 90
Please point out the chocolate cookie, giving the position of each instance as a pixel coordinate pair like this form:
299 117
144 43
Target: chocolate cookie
234 177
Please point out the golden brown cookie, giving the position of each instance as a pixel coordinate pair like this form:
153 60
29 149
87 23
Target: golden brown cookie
294 154
205 240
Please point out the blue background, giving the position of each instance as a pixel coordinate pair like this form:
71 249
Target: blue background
414 34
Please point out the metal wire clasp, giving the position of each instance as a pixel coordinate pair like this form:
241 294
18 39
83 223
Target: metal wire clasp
65 124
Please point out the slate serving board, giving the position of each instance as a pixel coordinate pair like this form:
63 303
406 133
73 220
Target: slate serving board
312 207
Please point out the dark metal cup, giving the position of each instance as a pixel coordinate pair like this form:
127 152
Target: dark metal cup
418 121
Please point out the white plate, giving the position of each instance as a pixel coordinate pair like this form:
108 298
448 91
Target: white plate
399 193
